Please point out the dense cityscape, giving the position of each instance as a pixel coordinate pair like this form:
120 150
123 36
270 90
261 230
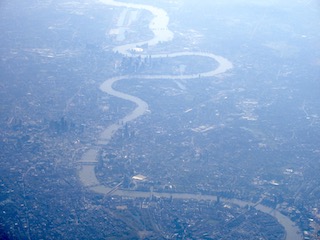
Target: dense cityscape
250 134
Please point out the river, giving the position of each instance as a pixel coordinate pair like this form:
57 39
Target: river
159 26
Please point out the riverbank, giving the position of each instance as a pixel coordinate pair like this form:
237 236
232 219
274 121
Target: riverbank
159 27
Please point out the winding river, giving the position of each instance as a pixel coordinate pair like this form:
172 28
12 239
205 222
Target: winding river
159 26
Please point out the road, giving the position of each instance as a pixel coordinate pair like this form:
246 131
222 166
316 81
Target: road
159 27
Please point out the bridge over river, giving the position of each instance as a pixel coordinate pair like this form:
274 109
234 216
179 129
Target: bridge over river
161 33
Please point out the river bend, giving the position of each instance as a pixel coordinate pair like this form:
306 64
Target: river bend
159 26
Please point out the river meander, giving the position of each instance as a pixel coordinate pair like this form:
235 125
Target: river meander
159 27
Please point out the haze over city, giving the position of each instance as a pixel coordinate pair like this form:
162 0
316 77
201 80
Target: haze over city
159 120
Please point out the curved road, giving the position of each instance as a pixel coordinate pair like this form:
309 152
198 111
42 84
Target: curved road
159 27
